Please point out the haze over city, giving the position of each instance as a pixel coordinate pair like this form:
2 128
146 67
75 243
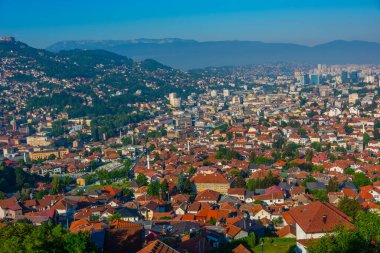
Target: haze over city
41 23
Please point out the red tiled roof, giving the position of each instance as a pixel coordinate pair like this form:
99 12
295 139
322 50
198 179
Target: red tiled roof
288 218
285 231
236 191
188 217
318 217
157 247
241 249
215 178
6 203
232 230
207 195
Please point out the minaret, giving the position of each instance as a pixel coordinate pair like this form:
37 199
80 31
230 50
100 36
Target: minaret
14 124
188 146
363 129
147 160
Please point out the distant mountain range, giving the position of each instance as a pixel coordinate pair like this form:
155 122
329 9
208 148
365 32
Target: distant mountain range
187 54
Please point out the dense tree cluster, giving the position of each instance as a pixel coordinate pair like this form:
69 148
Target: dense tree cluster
258 183
226 153
349 206
14 179
25 237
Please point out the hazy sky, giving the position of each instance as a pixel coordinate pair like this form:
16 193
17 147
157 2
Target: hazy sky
43 22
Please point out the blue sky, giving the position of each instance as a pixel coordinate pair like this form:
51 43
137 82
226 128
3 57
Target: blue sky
43 22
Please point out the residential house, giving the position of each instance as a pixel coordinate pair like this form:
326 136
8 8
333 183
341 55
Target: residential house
315 220
9 208
216 182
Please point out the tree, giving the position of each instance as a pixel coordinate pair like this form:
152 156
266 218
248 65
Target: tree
251 240
24 237
278 221
348 129
342 242
252 157
142 179
116 216
291 150
187 187
376 134
164 188
321 195
180 182
349 206
153 189
103 176
309 155
368 225
92 165
240 182
78 243
192 170
262 159
366 139
58 128
333 185
172 148
302 132
349 171
56 185
127 163
360 180
317 146
331 157
226 153
258 183
212 220
151 147
21 162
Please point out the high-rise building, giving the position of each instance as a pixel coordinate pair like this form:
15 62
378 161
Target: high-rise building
354 76
172 96
344 76
314 78
226 93
304 79
174 101
369 79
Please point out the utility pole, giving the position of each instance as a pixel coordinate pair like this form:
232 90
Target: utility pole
67 215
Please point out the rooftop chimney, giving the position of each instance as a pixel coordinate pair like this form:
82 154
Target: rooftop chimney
324 218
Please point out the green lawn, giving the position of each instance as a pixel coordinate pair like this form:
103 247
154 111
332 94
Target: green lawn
276 245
